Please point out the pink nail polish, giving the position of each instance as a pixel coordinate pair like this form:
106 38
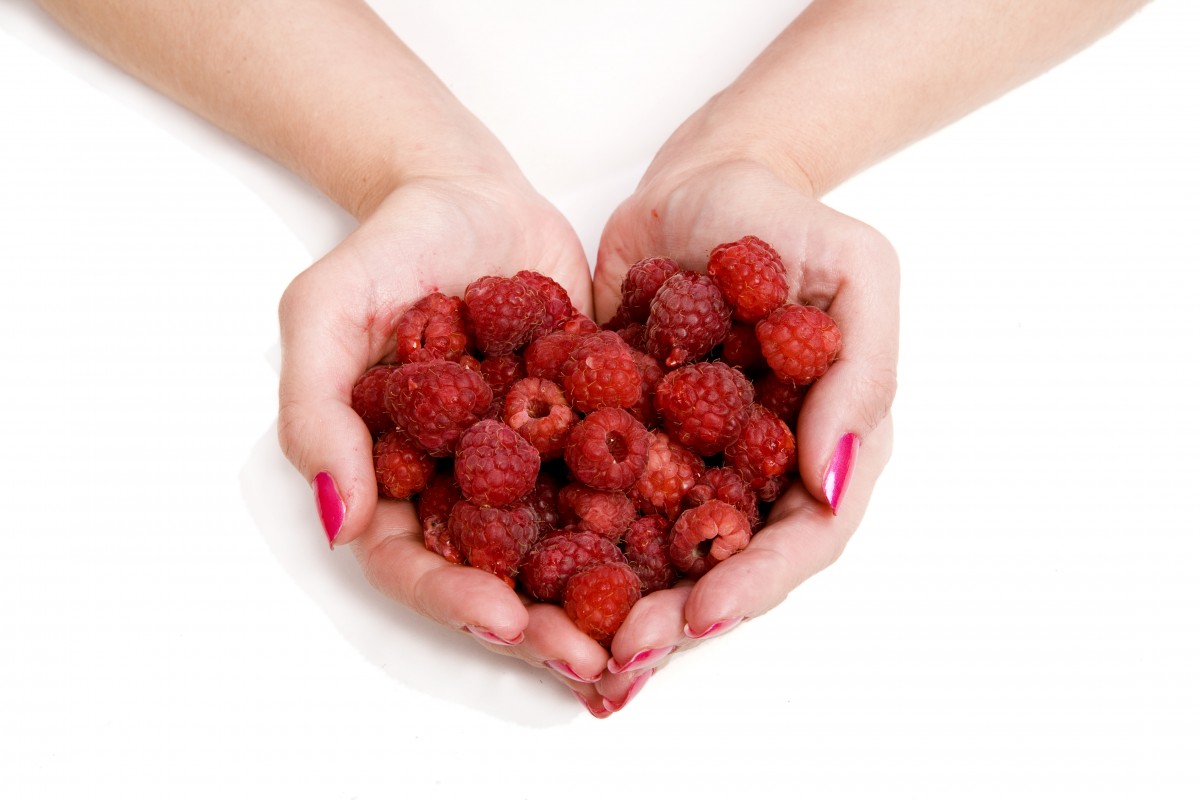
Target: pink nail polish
643 659
564 669
330 507
487 636
714 630
634 688
837 477
598 713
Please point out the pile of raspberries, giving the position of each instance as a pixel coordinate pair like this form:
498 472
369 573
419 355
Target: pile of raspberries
588 465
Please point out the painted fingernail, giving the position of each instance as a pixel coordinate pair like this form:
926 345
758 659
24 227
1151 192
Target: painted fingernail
483 634
634 688
714 630
564 669
641 659
598 713
330 507
837 477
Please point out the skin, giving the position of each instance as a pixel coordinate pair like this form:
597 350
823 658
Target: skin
325 88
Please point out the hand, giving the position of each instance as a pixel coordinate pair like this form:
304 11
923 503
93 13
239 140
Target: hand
336 318
682 209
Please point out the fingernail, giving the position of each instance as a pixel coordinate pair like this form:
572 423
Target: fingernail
564 669
634 688
641 660
598 713
483 634
714 630
838 475
329 505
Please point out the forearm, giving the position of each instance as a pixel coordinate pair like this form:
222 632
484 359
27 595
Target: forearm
322 86
852 81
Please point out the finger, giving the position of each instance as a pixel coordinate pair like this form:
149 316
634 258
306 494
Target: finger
859 274
801 538
394 559
325 350
651 633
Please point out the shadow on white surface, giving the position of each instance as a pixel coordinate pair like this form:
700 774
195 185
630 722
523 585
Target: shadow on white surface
408 648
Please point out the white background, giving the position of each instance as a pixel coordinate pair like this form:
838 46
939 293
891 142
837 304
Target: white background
1018 613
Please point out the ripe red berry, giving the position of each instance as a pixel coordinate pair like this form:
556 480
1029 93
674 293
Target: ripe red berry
799 342
751 277
600 373
368 398
703 406
435 401
537 409
556 303
706 535
781 397
671 470
607 513
725 484
742 350
642 282
688 317
435 327
503 313
607 449
764 451
599 598
493 465
433 510
647 549
401 468
493 539
553 560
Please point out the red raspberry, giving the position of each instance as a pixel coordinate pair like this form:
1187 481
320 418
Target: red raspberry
725 484
607 449
537 409
765 450
580 325
493 465
642 282
435 401
751 277
634 335
544 498
546 355
799 342
401 468
500 372
433 510
671 470
688 317
556 301
368 398
435 327
781 397
493 539
599 598
553 560
503 313
607 513
703 406
651 372
706 535
600 373
647 549
742 350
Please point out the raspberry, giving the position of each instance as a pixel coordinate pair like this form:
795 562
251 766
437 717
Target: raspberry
401 468
493 465
600 373
742 350
725 484
634 335
557 304
500 372
434 327
706 535
580 325
703 406
546 355
651 373
688 317
433 510
765 450
670 472
493 539
751 277
537 409
435 401
607 513
544 498
599 598
642 282
607 449
799 342
368 398
553 560
503 313
781 397
647 545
